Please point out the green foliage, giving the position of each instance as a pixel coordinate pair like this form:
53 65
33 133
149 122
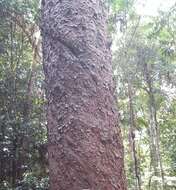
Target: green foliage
144 58
31 182
22 118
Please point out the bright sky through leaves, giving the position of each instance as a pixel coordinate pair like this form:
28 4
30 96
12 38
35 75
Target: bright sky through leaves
151 7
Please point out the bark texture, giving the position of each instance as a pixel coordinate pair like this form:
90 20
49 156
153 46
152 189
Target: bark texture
85 147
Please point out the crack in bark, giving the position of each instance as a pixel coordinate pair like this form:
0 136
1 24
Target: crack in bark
69 46
73 50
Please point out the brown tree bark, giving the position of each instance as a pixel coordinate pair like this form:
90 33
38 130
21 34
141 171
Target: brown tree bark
85 146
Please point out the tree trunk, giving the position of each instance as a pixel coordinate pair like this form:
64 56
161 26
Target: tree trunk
136 167
154 133
85 146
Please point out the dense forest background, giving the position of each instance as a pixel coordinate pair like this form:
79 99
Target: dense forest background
144 65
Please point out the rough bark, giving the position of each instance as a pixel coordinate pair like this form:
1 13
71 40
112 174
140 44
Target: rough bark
85 146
